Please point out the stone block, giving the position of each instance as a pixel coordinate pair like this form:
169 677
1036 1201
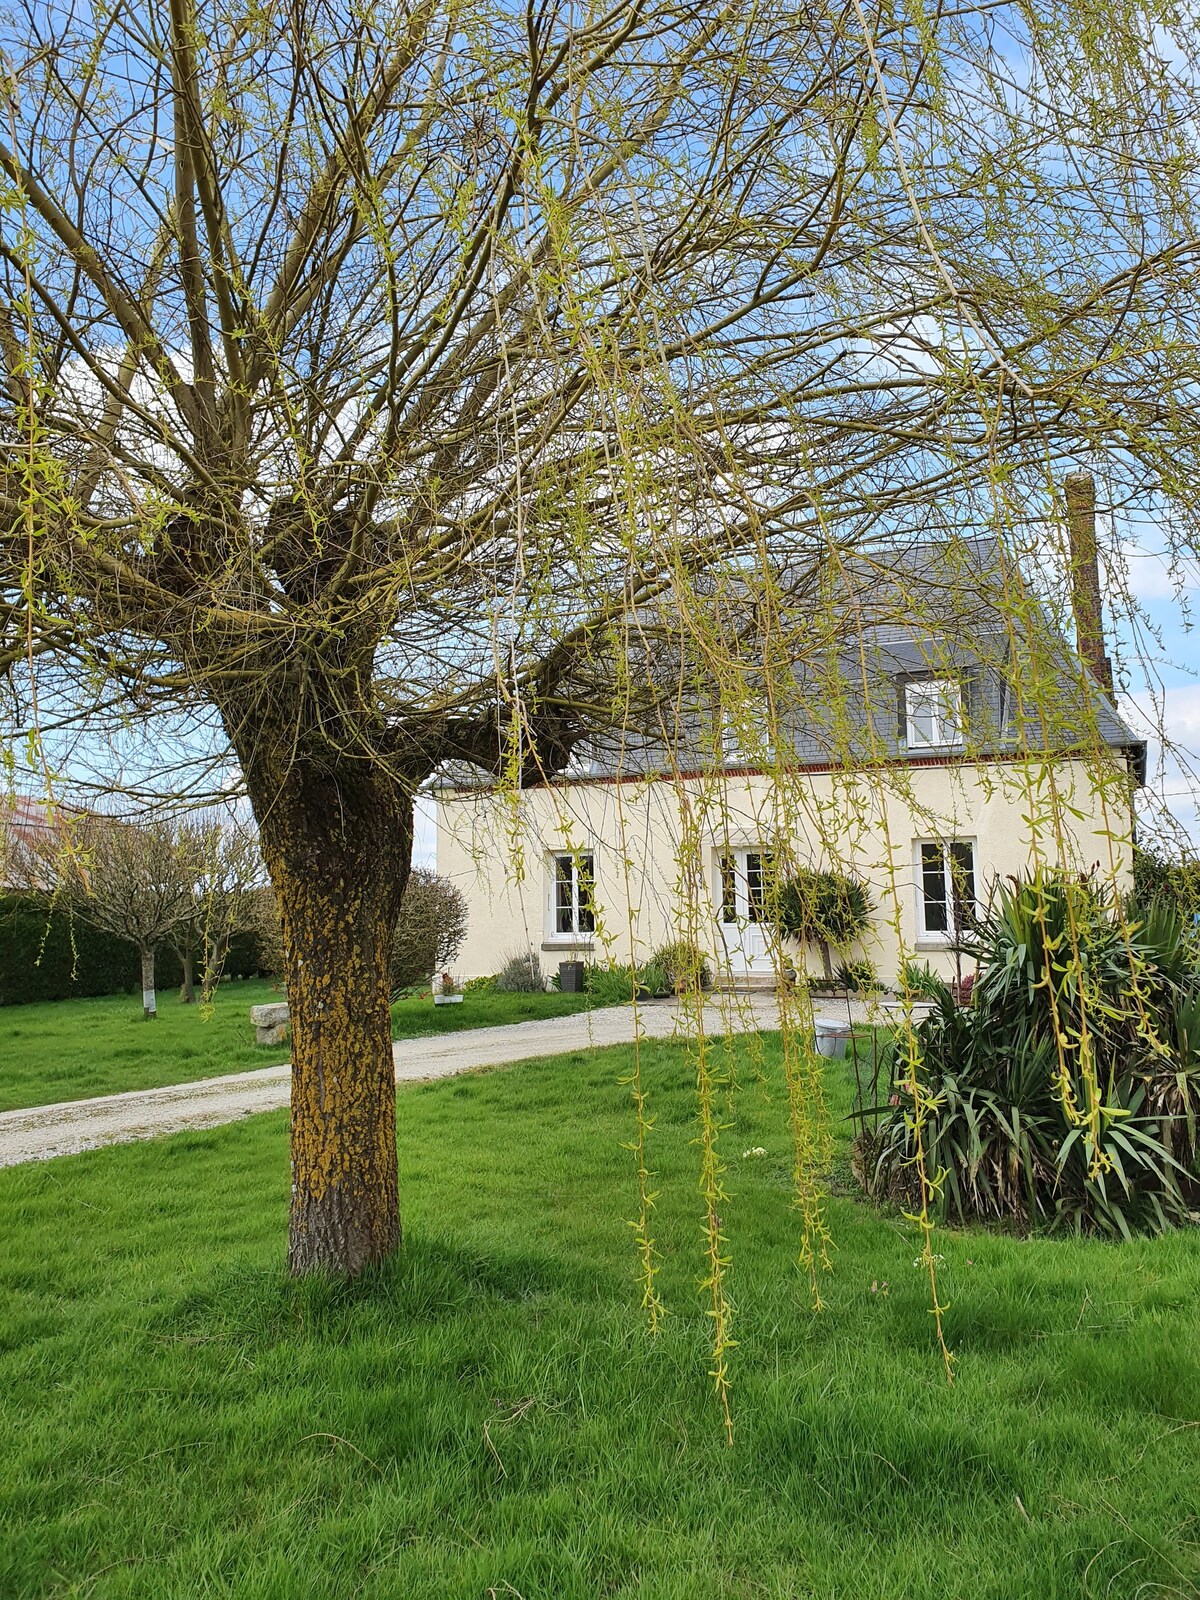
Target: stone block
270 1022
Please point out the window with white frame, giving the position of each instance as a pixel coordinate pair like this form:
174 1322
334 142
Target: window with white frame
933 713
946 894
573 883
581 763
744 736
731 738
745 878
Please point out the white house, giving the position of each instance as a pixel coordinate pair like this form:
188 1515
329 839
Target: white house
939 736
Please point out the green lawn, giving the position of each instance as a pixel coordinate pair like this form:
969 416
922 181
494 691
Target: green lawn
488 1417
70 1049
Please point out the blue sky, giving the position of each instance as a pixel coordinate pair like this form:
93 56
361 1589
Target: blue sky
1158 656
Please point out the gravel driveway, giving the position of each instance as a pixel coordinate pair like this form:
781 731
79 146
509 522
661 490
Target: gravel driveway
72 1125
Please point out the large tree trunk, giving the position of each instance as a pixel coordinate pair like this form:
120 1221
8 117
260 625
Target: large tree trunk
149 1000
187 989
338 848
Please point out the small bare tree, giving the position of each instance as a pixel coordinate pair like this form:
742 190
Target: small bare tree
132 880
222 856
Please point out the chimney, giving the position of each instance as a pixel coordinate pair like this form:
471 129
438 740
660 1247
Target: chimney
1085 577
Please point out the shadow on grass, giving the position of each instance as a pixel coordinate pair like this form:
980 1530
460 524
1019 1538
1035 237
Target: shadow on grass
430 1281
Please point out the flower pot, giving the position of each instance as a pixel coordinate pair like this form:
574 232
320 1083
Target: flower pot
447 999
832 1038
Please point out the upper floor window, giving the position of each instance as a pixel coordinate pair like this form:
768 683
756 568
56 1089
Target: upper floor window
574 907
946 896
933 713
581 763
745 737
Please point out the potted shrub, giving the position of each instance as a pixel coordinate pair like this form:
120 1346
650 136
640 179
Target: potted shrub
828 909
447 991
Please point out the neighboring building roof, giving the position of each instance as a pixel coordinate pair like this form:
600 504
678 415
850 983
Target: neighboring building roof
857 632
27 834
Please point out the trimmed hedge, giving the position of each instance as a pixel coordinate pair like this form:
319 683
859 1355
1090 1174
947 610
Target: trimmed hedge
50 955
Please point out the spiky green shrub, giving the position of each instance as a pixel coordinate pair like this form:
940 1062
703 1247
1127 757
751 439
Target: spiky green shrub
857 977
828 909
918 978
684 965
1066 1094
610 986
617 983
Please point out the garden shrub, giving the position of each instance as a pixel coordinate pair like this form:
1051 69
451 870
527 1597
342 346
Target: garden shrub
611 985
828 909
268 931
918 978
521 974
655 979
486 985
684 966
857 977
429 930
1066 1094
1160 877
617 983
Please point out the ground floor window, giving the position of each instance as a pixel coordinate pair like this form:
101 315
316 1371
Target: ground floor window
946 897
574 893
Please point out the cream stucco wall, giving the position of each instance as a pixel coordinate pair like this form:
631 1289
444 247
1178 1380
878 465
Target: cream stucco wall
656 846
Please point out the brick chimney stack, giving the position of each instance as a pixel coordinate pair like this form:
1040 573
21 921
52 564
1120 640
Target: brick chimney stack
1085 577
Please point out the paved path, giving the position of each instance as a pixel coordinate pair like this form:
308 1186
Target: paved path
72 1125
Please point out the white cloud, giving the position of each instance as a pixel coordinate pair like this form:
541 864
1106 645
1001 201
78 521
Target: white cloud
1169 720
1149 575
424 833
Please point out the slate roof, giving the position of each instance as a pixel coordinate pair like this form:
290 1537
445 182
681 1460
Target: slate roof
952 609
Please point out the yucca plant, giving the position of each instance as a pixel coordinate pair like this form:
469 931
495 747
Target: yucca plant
857 977
1067 1094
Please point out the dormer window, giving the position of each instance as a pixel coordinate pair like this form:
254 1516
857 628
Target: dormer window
731 739
581 763
933 713
744 736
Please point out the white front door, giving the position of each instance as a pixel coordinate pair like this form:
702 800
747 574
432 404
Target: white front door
741 885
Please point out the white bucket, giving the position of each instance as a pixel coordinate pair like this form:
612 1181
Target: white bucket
832 1037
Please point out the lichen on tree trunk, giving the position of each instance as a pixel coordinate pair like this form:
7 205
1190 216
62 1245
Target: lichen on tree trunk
216 954
338 849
